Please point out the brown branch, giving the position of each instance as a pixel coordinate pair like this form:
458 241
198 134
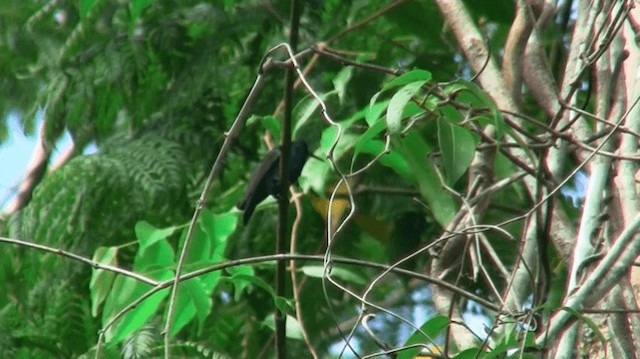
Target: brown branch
35 171
65 157
514 50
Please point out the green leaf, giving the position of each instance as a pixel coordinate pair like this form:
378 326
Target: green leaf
407 78
218 228
239 283
281 303
136 8
200 249
415 76
101 280
472 353
340 82
398 103
415 151
193 300
317 271
329 137
469 92
274 126
397 162
306 108
125 291
294 331
159 253
147 234
314 175
85 7
368 144
457 145
432 328
374 112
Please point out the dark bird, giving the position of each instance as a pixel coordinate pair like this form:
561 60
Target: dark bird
264 181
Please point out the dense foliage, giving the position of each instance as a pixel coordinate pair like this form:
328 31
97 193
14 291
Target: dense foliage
433 159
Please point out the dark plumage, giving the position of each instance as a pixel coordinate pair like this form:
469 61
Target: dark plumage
264 181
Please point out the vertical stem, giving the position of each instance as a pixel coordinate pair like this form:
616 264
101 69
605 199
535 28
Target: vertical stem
283 202
238 125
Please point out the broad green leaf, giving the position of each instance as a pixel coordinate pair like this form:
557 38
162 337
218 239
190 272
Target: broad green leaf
503 167
194 300
136 8
415 151
281 303
407 78
340 82
242 279
294 331
398 103
159 253
125 291
367 144
147 234
402 80
85 7
218 228
397 162
101 280
314 175
473 353
306 108
274 126
317 271
200 247
469 92
374 112
239 283
328 138
432 328
369 247
412 109
458 146
372 147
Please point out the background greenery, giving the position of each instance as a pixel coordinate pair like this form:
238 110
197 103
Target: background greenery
156 84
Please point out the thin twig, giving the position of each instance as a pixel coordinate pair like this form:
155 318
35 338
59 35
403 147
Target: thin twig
237 126
79 258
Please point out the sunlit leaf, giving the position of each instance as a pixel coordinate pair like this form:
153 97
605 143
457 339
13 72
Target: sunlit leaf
101 280
148 234
408 78
125 291
293 329
458 146
397 104
427 336
415 151
340 82
85 7
317 271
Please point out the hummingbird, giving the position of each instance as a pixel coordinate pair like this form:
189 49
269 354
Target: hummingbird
264 180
